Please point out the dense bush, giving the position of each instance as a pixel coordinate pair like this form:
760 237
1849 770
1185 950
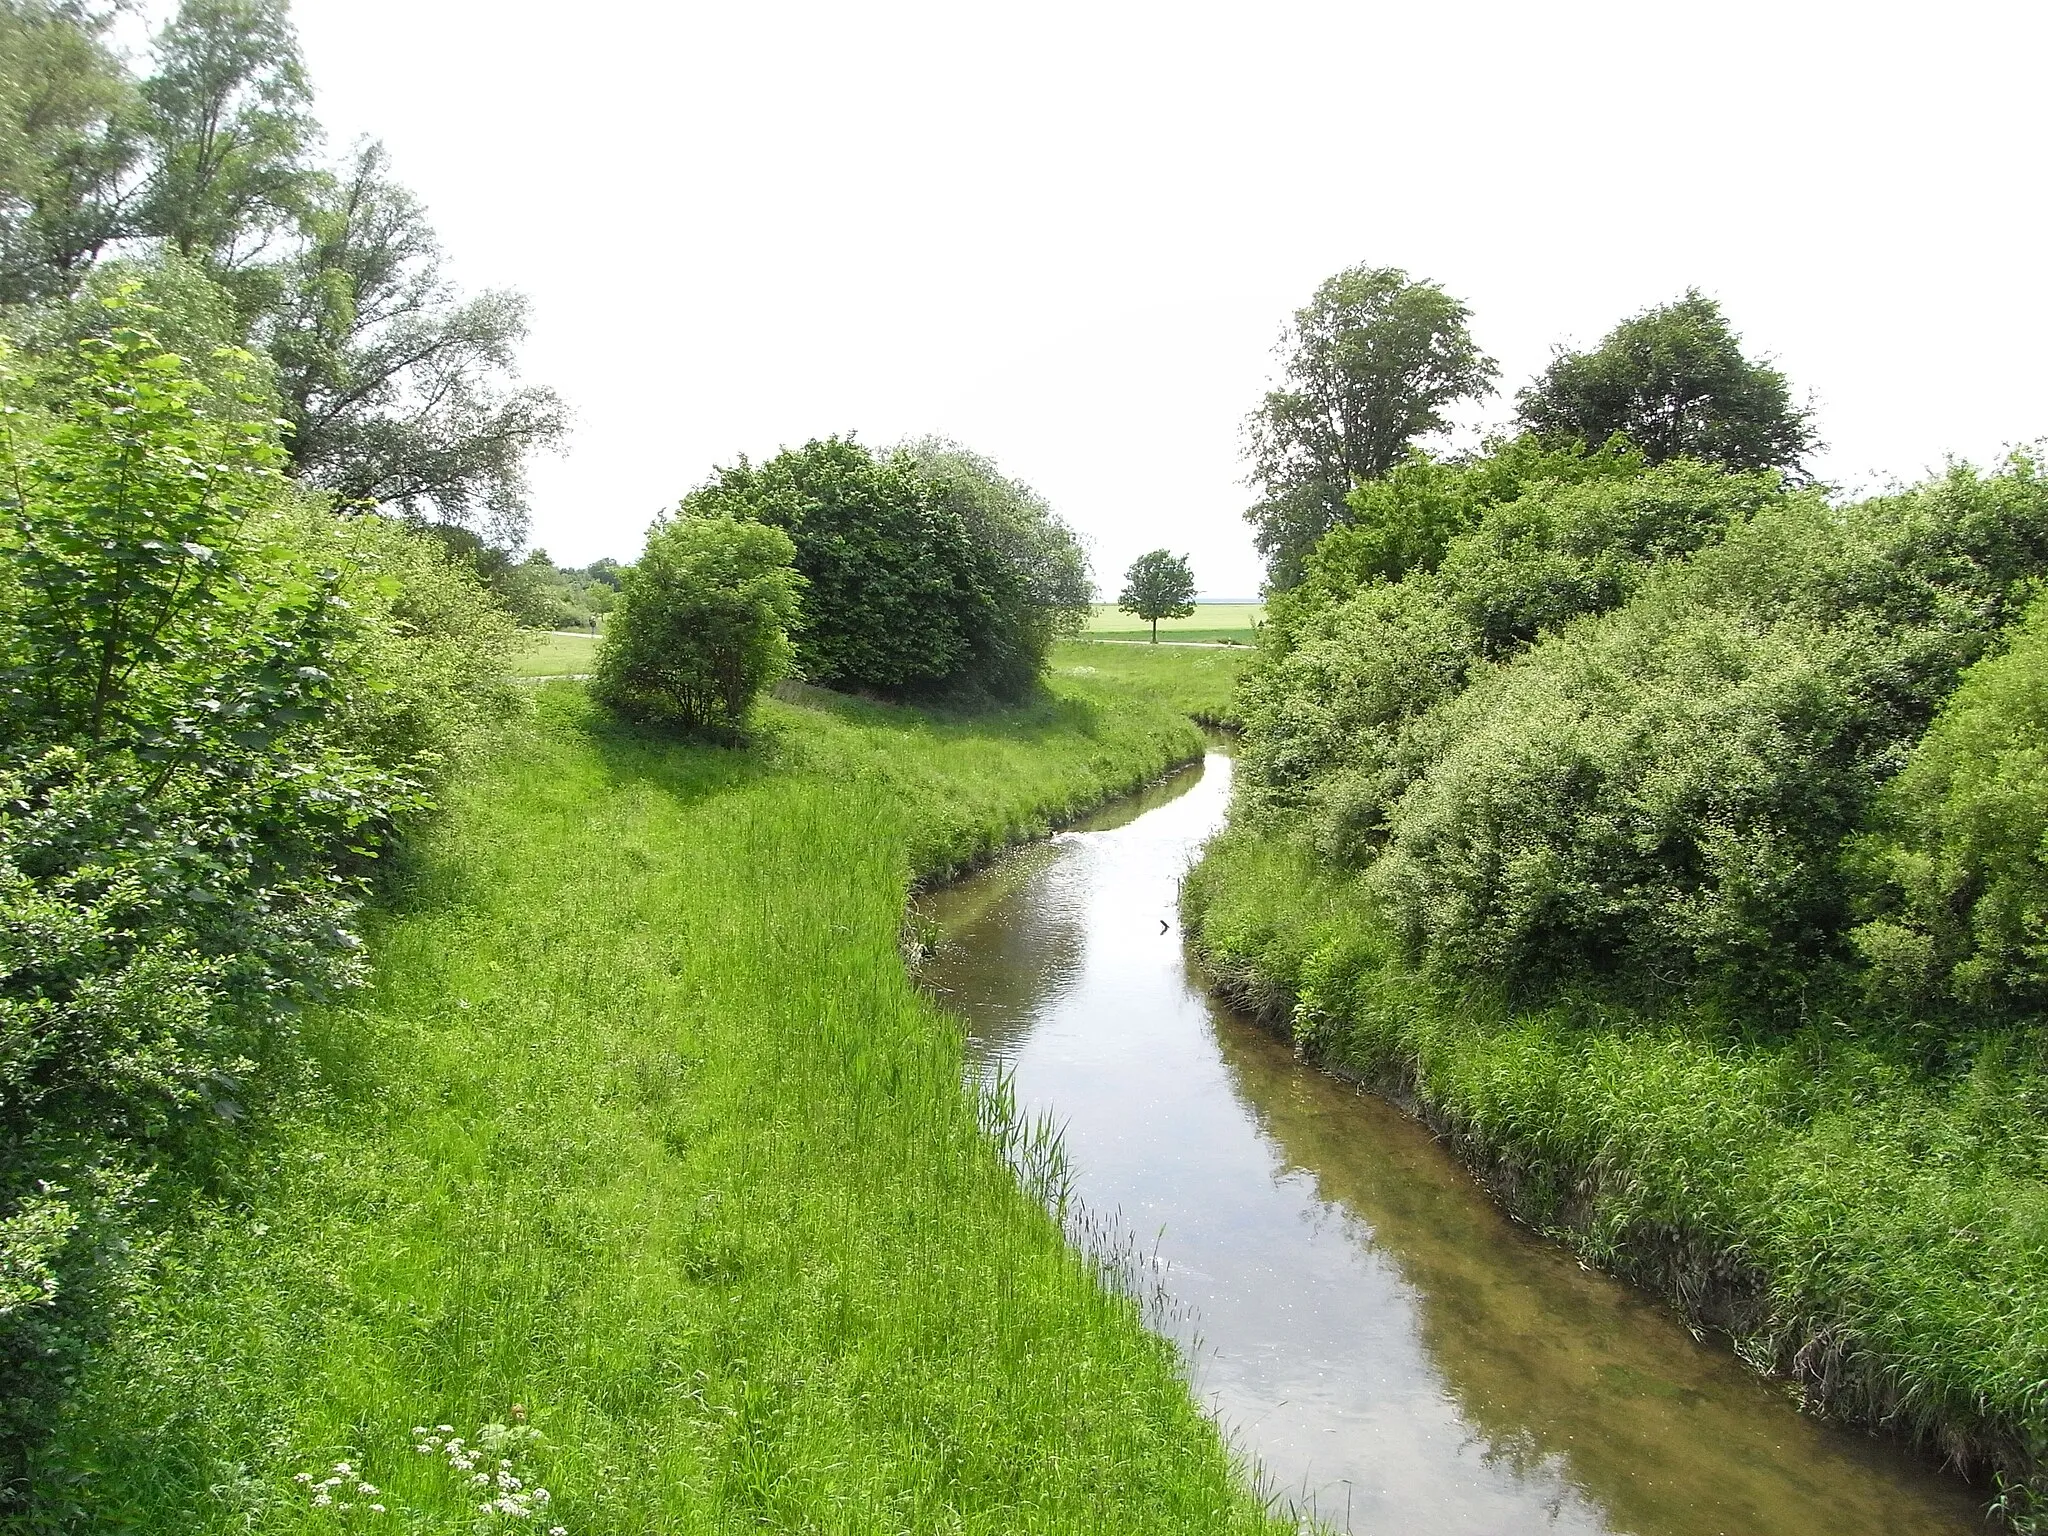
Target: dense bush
1030 573
1960 860
703 623
216 702
925 571
1337 706
1660 789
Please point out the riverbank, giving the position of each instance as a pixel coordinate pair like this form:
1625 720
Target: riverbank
642 1140
1875 1234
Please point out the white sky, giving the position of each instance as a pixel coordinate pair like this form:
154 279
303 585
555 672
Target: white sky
1068 234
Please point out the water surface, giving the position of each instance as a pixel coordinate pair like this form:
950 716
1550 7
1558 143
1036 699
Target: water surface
1394 1352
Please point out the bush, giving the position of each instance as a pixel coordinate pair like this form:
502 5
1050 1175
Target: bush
926 571
1348 671
216 704
1030 581
702 623
1959 865
1663 793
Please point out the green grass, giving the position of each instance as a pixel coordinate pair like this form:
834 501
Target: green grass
1209 621
554 654
1875 1230
1197 683
644 1128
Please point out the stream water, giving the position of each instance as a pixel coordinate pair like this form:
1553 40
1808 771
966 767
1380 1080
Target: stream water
1395 1354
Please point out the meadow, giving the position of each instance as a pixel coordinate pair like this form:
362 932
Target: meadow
1209 622
643 1148
554 653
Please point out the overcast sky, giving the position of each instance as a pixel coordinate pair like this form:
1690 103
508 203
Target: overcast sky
1067 235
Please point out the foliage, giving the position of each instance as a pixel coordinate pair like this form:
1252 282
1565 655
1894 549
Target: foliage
925 570
1959 861
1674 382
198 752
399 392
65 106
1158 585
1372 361
666 1147
227 121
542 595
1030 565
1662 792
389 380
1338 706
703 623
1404 520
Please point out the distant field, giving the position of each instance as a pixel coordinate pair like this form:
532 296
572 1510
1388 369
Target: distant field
555 655
1209 621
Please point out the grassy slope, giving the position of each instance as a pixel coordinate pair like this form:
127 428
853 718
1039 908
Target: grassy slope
644 1128
1877 1234
1198 683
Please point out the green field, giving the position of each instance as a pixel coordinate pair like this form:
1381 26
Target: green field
1209 621
553 653
644 1128
1197 683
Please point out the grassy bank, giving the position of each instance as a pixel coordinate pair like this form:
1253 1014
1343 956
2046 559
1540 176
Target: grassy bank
643 1129
1196 683
1872 1229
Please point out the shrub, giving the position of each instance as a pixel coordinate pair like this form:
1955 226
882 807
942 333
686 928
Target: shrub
926 570
1959 864
1348 672
702 623
1030 583
1664 792
885 569
216 702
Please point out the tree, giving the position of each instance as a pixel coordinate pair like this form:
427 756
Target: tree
1158 586
1030 569
1672 380
1373 359
229 132
66 110
391 382
703 623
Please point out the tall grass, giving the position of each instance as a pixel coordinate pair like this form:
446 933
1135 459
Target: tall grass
644 1130
1198 683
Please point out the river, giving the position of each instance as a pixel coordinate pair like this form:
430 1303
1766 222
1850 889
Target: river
1394 1353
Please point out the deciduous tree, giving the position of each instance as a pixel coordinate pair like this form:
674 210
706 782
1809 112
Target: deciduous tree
1674 381
1159 585
1372 362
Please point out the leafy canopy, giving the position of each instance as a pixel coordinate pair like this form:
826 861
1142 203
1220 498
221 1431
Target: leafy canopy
1159 585
703 622
1673 380
925 570
1371 363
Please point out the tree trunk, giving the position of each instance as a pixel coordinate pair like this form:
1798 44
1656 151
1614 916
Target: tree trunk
1155 631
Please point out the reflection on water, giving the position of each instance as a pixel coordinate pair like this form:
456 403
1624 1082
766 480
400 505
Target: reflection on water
1360 1317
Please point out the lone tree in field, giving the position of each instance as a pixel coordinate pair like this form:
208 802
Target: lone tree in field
1674 382
702 624
1371 362
1158 586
